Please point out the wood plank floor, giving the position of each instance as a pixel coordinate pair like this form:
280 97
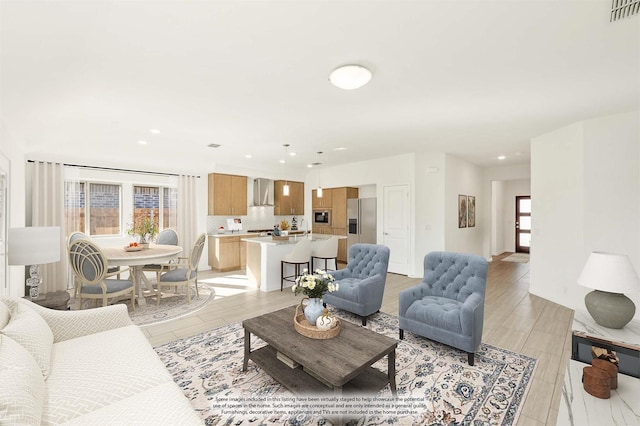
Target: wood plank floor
514 320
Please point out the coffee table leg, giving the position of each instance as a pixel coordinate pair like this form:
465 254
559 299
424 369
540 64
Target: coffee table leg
247 350
391 372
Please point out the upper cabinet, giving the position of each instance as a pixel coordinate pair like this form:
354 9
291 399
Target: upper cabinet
293 204
227 195
324 202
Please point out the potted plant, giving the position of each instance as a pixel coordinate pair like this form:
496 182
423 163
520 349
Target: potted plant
314 286
284 227
144 228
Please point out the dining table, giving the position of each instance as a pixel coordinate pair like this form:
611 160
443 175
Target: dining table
136 259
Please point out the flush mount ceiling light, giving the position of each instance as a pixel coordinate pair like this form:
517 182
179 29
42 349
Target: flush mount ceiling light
349 77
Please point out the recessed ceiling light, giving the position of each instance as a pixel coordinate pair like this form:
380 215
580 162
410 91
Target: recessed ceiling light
340 149
154 131
292 154
349 77
282 161
309 166
247 156
142 142
502 157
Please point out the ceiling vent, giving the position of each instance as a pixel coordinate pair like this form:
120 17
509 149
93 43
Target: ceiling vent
214 145
621 9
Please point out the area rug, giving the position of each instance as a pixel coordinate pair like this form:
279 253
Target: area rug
517 257
172 305
435 384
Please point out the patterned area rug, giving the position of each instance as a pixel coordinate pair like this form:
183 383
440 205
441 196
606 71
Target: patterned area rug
435 384
517 257
172 305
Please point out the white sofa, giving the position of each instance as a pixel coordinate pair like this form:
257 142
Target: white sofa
82 367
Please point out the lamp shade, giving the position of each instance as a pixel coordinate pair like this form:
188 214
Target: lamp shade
33 245
609 272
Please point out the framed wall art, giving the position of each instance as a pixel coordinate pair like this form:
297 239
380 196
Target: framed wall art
471 211
462 211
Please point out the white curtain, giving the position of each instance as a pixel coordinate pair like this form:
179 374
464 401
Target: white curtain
47 209
187 215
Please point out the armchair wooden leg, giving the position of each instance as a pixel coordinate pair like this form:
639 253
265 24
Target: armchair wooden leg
401 334
364 321
470 358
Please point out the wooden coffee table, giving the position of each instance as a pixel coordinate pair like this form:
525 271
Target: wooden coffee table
340 364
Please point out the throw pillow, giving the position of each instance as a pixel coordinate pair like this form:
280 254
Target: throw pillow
31 331
5 315
22 390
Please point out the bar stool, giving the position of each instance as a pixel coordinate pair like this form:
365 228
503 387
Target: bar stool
298 256
326 250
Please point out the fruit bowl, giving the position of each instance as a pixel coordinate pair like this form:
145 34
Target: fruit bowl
133 248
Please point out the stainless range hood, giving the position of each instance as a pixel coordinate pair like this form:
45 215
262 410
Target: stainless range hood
262 192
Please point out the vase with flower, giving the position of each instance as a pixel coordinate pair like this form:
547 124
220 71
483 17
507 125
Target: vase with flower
314 286
144 228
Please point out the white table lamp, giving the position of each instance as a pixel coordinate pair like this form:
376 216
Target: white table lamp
610 275
33 246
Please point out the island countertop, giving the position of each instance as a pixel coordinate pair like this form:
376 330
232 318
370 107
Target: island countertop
293 239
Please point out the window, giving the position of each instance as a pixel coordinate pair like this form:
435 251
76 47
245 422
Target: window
102 202
147 201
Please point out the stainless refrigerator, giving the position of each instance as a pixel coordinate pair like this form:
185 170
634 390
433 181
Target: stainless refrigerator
361 221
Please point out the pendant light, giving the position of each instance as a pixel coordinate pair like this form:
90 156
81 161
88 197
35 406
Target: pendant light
319 190
285 188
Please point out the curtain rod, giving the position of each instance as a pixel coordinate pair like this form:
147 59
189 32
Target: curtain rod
114 169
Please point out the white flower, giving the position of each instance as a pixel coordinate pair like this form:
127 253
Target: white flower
312 285
331 287
337 286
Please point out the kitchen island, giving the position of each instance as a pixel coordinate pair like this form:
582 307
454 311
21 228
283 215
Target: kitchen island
264 255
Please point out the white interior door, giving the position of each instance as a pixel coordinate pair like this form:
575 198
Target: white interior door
395 223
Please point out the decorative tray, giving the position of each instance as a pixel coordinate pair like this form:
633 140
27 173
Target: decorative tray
280 237
138 248
303 327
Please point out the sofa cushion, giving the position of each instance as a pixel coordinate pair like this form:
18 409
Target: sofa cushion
91 372
163 404
439 312
21 385
5 315
31 331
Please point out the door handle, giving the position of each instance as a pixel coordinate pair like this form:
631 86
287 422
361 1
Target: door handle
386 233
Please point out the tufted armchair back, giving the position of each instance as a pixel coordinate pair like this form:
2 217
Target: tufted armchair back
367 260
454 275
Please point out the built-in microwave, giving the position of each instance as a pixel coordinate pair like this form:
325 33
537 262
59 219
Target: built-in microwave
321 217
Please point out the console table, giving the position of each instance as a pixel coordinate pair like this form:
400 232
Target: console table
577 407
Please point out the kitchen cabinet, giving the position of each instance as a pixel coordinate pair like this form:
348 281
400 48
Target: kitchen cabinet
227 195
325 201
224 253
293 204
228 253
339 209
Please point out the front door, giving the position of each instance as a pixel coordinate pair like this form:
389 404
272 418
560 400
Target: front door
523 224
396 227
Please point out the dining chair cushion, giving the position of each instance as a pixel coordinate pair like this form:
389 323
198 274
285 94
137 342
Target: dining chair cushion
113 286
176 275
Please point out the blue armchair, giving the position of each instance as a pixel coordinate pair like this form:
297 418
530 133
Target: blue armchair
362 281
448 305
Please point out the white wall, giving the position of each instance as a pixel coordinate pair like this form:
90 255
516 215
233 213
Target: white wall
497 217
585 190
13 150
430 226
463 178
